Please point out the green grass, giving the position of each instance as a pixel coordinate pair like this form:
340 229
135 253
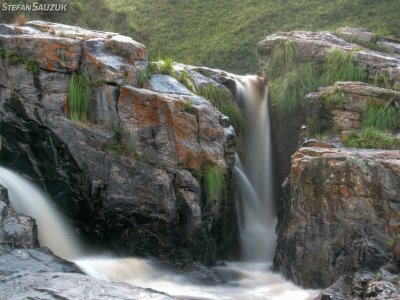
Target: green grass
189 106
287 92
214 182
144 76
122 143
167 66
15 58
313 128
283 59
184 78
334 100
371 138
220 34
340 66
78 97
383 81
223 101
377 115
396 86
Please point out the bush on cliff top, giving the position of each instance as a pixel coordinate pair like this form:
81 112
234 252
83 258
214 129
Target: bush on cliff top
78 97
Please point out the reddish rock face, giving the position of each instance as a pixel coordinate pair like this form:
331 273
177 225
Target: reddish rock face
164 130
52 53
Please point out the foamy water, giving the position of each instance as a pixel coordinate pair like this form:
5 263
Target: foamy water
251 280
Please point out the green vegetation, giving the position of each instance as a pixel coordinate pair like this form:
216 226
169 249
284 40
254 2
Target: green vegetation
371 138
292 80
380 116
144 76
340 66
313 129
334 99
15 58
383 81
184 78
223 101
167 66
214 182
223 33
79 97
189 107
287 92
396 86
122 143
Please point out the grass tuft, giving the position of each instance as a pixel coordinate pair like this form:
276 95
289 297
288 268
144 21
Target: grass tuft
167 66
371 138
78 97
223 101
214 182
284 57
122 143
287 92
144 76
334 100
340 66
380 116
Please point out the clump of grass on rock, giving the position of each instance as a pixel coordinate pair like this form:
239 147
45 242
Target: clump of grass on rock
78 97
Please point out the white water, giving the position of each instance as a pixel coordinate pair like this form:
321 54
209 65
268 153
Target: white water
54 231
254 176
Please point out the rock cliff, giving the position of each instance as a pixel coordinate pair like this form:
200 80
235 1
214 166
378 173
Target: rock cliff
339 208
132 172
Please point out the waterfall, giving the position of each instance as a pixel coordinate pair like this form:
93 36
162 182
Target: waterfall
254 174
54 231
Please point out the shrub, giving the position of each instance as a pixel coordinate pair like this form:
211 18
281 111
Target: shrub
214 182
377 115
189 106
287 92
340 66
371 138
78 97
223 101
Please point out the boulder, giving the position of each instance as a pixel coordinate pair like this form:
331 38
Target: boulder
337 218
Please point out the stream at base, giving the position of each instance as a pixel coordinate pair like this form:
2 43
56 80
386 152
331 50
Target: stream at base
245 280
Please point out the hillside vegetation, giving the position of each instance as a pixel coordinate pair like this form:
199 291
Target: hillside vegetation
220 33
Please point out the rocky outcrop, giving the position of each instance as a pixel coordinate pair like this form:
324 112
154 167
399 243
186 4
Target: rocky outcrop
339 211
342 214
133 174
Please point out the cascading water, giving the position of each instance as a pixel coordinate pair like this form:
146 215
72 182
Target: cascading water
54 231
254 176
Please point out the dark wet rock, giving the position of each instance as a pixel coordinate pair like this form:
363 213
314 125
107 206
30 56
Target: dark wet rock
56 285
16 230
